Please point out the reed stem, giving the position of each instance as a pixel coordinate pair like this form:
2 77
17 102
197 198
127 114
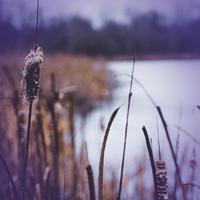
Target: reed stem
153 167
126 132
91 182
172 151
103 147
26 152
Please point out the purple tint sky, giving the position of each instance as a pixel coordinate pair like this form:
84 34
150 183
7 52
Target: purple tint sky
101 10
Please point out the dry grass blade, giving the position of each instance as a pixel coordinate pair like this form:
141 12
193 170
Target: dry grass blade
25 164
101 163
90 176
172 151
9 176
187 133
91 182
141 86
55 142
153 167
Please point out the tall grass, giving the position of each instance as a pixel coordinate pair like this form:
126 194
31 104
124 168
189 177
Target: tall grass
151 157
53 151
126 132
31 76
53 164
101 163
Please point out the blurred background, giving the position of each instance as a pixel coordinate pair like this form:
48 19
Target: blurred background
101 28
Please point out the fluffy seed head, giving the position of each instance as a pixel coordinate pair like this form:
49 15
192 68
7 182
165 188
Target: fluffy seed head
161 176
31 73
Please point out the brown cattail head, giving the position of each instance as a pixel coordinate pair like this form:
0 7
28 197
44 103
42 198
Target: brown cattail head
31 73
161 178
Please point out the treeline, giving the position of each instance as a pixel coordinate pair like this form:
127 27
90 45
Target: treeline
147 34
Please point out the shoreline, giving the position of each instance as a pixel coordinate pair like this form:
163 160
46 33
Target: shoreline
156 57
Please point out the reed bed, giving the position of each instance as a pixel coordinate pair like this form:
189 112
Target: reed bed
55 167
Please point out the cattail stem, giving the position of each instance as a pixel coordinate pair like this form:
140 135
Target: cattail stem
91 182
126 132
26 152
172 151
153 167
40 130
73 144
37 22
56 146
175 180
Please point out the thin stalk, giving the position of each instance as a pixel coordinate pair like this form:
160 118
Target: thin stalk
172 151
56 146
86 152
10 177
103 147
176 153
175 181
165 128
141 86
90 176
26 152
153 167
37 22
91 182
187 134
64 185
73 144
158 135
41 130
39 158
126 132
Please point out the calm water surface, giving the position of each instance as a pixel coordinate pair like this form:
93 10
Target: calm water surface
174 86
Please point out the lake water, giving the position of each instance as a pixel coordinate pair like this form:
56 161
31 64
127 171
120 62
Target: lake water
174 86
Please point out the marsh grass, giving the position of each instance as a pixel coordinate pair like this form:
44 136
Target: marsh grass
71 87
172 152
101 163
40 148
151 157
126 132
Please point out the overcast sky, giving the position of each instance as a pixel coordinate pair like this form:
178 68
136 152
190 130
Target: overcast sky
100 10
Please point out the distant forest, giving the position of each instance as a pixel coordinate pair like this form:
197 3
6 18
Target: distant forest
147 33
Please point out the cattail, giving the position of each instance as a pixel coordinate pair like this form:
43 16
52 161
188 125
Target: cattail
31 73
161 178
